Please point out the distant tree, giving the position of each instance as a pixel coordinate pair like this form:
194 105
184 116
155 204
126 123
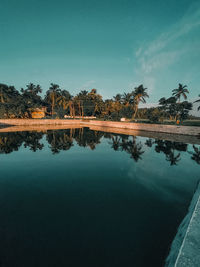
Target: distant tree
153 114
63 100
180 91
175 110
183 110
12 104
139 96
8 94
127 99
117 98
31 98
52 95
198 100
126 112
88 103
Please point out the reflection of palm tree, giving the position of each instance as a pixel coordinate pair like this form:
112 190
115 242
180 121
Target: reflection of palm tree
88 138
135 149
168 148
124 144
172 158
115 142
196 154
32 140
10 142
149 142
59 140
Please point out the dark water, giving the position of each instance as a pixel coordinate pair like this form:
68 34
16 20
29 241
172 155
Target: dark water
88 198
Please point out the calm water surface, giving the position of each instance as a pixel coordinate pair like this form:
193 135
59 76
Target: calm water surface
88 198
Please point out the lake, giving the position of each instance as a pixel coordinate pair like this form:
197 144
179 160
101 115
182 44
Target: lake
79 197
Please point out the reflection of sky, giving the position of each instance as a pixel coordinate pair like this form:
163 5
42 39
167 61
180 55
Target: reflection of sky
152 171
168 182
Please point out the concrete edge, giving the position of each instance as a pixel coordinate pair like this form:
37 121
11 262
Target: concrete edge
174 129
185 248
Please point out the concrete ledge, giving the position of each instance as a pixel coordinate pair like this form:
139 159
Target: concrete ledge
185 130
187 139
185 249
170 129
38 128
38 122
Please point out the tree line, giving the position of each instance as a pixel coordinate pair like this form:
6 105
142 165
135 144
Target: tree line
60 102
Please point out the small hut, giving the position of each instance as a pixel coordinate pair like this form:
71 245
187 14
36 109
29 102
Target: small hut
38 113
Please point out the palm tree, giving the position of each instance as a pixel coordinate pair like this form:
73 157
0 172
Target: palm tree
109 106
2 93
52 95
32 89
180 91
117 98
198 100
127 99
8 94
63 99
139 96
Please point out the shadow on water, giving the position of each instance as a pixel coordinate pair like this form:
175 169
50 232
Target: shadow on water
60 140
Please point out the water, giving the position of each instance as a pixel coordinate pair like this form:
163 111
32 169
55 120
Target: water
88 198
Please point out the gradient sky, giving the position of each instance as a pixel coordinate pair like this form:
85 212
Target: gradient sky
110 45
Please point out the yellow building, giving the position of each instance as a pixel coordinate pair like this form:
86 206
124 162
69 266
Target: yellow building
38 113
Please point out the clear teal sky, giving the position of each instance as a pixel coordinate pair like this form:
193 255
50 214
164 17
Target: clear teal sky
110 45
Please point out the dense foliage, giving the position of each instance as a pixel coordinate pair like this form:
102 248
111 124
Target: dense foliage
58 103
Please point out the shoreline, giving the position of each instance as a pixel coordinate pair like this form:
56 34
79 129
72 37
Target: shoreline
190 134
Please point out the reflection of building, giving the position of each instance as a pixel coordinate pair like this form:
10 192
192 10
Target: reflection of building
38 113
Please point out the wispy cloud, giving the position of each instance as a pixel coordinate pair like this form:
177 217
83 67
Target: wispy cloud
189 22
167 48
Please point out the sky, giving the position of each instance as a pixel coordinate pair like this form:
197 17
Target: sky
110 45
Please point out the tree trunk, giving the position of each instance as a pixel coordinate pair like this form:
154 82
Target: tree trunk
136 109
82 112
52 106
2 100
